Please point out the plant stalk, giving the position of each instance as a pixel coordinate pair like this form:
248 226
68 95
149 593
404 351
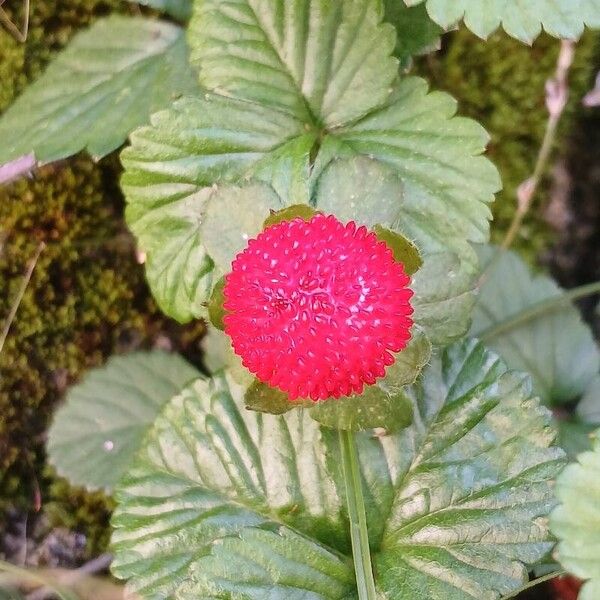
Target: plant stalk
538 310
358 519
557 94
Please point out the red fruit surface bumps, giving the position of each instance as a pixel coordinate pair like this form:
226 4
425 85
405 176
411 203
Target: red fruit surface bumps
316 308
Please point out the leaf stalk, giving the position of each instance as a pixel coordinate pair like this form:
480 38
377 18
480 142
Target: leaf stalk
537 310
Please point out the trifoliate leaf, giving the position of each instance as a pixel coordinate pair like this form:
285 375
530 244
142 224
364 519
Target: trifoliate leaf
576 521
416 33
456 503
436 185
106 83
180 9
554 346
394 190
522 19
99 429
169 170
325 63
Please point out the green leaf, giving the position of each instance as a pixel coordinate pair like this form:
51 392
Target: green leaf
409 165
408 171
416 33
555 347
574 435
180 9
522 19
98 430
219 355
169 170
232 216
326 63
455 503
576 521
271 561
106 83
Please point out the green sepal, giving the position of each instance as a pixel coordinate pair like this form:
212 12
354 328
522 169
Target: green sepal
263 398
216 311
302 211
372 409
383 404
404 250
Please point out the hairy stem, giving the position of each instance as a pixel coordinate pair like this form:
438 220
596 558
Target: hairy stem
557 93
357 516
538 310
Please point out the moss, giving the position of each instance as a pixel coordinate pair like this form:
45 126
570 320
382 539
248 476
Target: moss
85 512
51 26
86 300
501 84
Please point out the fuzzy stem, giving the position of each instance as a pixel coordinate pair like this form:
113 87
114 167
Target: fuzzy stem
357 516
557 93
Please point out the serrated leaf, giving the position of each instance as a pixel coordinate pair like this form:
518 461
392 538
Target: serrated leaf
388 182
241 566
556 347
180 9
107 82
576 521
169 170
431 183
455 503
522 19
326 63
96 433
416 33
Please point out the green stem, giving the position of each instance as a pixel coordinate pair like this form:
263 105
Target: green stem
357 516
539 309
534 583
